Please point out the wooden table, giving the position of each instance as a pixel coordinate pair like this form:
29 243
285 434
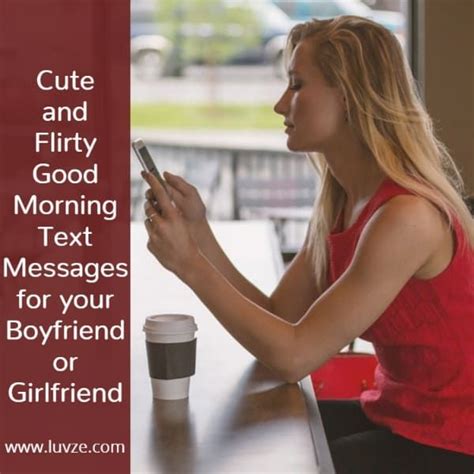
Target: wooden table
239 417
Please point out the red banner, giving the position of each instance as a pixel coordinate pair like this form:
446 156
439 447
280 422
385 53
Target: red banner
64 221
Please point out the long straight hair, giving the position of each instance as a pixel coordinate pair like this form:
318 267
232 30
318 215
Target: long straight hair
366 62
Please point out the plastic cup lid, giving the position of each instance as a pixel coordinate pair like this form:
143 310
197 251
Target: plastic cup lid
170 324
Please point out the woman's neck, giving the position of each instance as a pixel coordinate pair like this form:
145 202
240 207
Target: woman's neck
356 170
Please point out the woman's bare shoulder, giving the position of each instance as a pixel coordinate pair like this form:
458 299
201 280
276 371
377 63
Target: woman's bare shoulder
408 209
412 228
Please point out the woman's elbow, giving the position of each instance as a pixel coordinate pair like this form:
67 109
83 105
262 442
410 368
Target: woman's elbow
293 371
289 361
292 378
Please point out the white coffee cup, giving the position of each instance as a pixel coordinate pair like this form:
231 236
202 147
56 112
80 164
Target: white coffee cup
171 353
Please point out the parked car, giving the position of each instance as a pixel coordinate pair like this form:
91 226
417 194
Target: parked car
149 55
273 22
274 54
151 49
303 10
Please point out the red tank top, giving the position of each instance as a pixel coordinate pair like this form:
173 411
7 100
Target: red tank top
424 342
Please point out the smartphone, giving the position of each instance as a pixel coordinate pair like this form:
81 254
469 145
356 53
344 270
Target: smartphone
146 160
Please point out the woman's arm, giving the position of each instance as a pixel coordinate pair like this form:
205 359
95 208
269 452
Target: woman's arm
292 297
296 290
398 240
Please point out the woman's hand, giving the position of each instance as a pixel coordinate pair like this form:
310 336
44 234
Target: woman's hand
188 201
170 240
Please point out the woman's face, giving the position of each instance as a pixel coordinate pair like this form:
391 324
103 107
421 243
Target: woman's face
314 112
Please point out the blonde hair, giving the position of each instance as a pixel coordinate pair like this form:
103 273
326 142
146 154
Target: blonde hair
366 62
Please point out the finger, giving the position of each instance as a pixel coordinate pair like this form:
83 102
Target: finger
178 182
160 194
149 209
151 199
172 190
149 229
149 223
148 226
152 225
178 198
173 193
149 195
150 247
153 215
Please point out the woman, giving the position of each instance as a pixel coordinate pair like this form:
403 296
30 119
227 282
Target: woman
388 256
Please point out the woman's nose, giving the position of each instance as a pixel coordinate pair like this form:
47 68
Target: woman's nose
281 107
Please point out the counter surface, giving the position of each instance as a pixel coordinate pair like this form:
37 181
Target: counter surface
239 417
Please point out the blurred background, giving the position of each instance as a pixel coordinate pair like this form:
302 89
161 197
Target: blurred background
205 77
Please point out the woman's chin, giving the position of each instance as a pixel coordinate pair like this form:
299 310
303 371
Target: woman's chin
295 146
299 147
292 145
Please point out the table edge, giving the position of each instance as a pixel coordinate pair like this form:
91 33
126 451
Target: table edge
321 448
